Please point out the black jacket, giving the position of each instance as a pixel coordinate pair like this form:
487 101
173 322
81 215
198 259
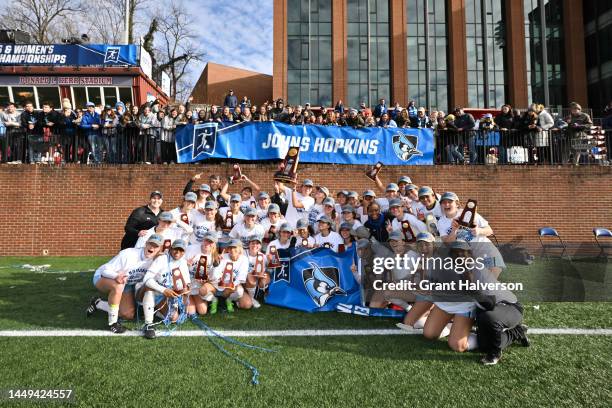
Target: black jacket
142 218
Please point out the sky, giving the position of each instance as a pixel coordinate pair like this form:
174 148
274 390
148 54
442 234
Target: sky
235 33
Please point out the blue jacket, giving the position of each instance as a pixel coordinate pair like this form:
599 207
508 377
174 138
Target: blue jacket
412 111
379 110
231 101
89 119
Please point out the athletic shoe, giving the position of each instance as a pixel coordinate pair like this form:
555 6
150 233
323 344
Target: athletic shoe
149 331
491 358
91 309
256 304
229 305
213 307
117 328
523 340
405 327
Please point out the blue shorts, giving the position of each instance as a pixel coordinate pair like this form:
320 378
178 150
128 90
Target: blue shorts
469 315
218 293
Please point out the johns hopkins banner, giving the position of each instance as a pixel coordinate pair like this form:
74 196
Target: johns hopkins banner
314 280
318 144
68 55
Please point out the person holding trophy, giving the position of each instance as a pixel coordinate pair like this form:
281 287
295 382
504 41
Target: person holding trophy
201 260
231 215
258 278
229 277
247 228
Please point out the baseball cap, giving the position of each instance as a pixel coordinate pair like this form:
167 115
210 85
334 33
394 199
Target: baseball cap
274 208
107 107
425 236
324 190
346 225
166 216
204 187
352 194
191 196
392 187
404 179
396 202
343 192
302 223
250 211
179 244
369 193
210 236
263 195
210 205
348 208
235 197
88 104
329 201
460 244
396 235
325 219
360 232
411 187
449 195
308 183
154 193
234 243
425 190
285 227
363 243
155 239
255 237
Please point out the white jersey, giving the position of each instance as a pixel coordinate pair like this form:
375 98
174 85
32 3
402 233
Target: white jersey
315 212
241 232
294 214
240 270
237 218
252 260
184 229
355 223
310 239
333 239
383 202
162 271
436 210
416 224
276 243
248 203
130 261
200 226
262 213
170 233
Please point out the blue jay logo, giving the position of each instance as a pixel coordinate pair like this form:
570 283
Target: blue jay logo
322 283
405 146
204 139
112 55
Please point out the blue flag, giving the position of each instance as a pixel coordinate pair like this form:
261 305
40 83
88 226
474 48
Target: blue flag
314 280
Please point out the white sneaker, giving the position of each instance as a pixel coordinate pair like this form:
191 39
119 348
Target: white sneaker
256 304
406 327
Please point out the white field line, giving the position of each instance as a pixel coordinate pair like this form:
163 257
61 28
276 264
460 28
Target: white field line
277 333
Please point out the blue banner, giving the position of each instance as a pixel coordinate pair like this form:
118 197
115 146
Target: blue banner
314 280
68 55
318 144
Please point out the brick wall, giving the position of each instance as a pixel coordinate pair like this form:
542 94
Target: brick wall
76 210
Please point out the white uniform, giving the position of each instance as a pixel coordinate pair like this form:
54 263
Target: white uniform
248 203
416 224
200 226
240 270
193 253
236 217
276 243
311 241
241 232
383 202
130 261
315 212
294 214
184 229
436 210
333 239
170 233
160 274
252 260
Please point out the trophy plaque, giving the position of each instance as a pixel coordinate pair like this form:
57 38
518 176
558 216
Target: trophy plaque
287 170
373 172
271 235
305 243
228 223
237 174
178 283
201 272
227 279
259 267
468 216
167 244
341 248
407 231
432 226
185 218
274 258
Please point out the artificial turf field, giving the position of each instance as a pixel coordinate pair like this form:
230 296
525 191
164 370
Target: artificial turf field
558 370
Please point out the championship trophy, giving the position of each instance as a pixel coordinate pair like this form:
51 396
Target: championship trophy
178 283
407 231
341 248
259 268
305 243
237 174
373 172
228 223
185 218
468 216
287 170
227 279
167 244
201 272
432 226
270 236
274 258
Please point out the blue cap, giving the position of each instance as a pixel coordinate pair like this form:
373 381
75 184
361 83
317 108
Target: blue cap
88 104
210 236
449 195
210 205
392 187
363 243
460 244
369 193
204 187
396 202
325 218
179 244
255 237
425 190
263 195
425 236
274 208
346 225
308 182
166 216
404 179
285 227
348 208
191 196
353 194
396 235
324 190
155 239
235 243
411 187
250 211
302 223
235 198
329 201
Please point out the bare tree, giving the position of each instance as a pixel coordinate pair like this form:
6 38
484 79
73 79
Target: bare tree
44 20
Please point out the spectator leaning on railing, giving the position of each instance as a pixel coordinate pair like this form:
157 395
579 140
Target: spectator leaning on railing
90 123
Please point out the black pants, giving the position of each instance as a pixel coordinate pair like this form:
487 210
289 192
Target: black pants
496 327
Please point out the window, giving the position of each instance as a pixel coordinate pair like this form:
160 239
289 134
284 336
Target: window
21 94
125 95
79 97
94 95
5 97
110 96
50 95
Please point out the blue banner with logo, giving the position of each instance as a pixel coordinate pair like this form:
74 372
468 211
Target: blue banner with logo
68 55
314 280
318 144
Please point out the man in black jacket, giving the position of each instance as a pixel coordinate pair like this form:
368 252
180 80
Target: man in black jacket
142 219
